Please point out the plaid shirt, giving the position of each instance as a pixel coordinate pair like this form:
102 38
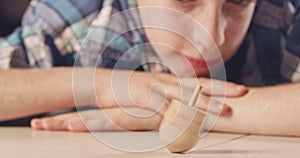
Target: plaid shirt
53 32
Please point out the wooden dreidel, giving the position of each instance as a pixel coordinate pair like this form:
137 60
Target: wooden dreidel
181 124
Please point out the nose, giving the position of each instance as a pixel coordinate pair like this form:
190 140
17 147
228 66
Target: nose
212 21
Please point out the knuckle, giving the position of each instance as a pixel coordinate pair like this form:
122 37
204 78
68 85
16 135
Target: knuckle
142 101
205 102
203 80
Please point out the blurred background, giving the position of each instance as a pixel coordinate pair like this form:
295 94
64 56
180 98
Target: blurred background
11 14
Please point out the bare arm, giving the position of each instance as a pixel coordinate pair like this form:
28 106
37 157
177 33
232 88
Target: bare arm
27 92
271 110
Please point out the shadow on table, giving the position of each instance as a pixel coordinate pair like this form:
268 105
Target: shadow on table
226 151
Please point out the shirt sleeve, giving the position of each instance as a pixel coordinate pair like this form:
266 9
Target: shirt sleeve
50 33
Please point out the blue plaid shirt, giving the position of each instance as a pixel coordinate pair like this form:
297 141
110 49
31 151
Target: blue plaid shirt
54 31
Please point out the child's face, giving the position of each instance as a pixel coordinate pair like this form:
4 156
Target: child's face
226 22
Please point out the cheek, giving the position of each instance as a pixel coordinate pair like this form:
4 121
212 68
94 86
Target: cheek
232 44
234 34
236 30
164 37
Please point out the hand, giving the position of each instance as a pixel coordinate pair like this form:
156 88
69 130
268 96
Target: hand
98 120
153 91
140 84
134 96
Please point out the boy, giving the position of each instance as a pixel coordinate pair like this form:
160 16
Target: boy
249 40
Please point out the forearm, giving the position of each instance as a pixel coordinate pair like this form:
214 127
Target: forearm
270 110
27 92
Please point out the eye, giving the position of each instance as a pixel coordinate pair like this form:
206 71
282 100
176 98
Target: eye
185 5
185 1
237 8
240 2
236 1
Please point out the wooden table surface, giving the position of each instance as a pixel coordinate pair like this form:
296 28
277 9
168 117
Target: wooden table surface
27 143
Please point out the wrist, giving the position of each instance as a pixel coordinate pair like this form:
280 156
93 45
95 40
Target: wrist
84 86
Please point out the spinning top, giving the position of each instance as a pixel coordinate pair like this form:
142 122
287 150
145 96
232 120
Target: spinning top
181 124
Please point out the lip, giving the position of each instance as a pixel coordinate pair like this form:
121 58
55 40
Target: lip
197 64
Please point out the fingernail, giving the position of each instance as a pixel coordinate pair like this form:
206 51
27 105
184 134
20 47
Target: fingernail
223 108
218 108
226 108
37 121
36 124
71 127
240 87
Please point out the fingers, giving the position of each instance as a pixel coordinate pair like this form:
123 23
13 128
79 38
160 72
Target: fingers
115 119
154 91
60 122
36 124
217 107
213 86
129 121
222 88
184 87
183 93
51 124
204 102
